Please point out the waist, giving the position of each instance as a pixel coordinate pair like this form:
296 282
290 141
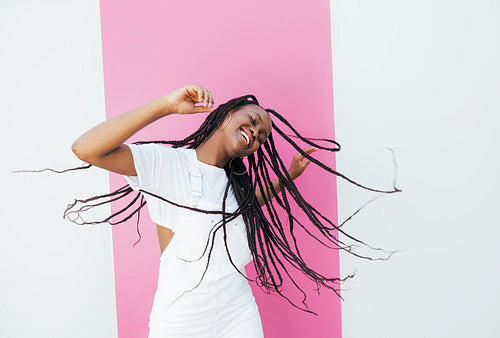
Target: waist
231 286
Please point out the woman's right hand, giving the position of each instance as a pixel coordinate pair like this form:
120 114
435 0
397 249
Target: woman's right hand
189 99
102 146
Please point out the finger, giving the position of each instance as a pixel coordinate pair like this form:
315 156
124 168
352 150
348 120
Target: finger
310 150
206 97
298 157
197 94
193 92
201 109
200 92
211 100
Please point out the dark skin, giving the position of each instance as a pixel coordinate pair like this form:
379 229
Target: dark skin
241 134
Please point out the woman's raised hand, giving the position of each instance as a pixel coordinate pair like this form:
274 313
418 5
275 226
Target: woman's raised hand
189 99
299 163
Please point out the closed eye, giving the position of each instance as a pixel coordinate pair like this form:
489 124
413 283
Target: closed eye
252 120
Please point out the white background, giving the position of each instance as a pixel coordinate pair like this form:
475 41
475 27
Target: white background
56 279
423 78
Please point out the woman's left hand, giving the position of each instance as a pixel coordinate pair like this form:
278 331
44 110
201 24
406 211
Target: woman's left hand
299 163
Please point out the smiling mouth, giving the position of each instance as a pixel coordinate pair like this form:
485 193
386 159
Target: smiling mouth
246 137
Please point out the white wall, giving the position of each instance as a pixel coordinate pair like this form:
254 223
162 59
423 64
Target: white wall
421 77
56 279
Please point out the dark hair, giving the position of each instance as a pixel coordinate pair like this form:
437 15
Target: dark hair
268 239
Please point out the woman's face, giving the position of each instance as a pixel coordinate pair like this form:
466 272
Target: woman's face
245 130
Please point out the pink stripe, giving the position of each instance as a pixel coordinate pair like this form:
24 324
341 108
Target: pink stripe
278 50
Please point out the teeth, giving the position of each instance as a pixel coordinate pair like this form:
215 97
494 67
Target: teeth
246 137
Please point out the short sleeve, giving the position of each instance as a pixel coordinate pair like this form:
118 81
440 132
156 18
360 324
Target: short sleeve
160 170
149 160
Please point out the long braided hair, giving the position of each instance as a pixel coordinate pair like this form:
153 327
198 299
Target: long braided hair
273 253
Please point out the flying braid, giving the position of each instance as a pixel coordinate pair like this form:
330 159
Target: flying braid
271 239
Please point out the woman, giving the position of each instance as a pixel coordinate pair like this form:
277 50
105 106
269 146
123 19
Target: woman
207 206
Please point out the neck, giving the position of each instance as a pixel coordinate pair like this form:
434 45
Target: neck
210 152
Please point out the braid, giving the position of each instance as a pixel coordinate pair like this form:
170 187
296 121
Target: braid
272 240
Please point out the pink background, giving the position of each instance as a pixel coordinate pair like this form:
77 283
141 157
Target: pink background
279 51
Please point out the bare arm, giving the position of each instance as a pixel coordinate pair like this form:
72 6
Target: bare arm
299 164
102 146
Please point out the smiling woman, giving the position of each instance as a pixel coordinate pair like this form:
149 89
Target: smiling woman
243 131
207 204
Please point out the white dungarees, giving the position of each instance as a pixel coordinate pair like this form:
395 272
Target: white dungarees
222 305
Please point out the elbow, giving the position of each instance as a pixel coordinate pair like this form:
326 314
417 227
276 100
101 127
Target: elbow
79 152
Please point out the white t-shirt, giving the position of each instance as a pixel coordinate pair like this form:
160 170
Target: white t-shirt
164 171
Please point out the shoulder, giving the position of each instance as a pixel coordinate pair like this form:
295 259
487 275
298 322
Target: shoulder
155 159
158 165
156 150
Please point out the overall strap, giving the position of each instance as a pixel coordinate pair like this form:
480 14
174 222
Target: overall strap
195 177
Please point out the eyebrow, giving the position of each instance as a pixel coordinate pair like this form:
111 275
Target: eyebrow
260 118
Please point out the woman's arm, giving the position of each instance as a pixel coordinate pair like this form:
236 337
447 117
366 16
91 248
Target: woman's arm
299 164
102 146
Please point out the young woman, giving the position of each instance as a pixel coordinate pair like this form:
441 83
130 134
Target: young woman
207 206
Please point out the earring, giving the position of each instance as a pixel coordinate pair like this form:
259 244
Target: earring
230 116
237 174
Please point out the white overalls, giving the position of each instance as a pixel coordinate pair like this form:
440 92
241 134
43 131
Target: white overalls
222 305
